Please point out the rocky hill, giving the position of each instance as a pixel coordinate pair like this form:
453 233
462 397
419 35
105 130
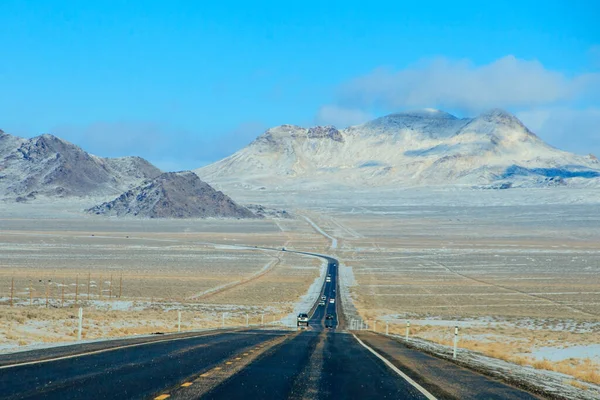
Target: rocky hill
49 166
173 195
426 147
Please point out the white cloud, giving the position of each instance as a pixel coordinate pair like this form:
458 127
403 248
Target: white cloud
508 82
341 117
577 131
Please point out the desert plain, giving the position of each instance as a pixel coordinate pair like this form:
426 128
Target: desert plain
518 275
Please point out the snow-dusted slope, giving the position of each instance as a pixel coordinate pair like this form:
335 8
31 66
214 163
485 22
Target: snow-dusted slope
427 147
47 165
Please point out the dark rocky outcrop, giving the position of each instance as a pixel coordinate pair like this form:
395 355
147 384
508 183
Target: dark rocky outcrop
173 195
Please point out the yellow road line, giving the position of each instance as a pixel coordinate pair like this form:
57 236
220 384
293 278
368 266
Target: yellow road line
204 375
218 368
162 397
228 363
238 358
187 384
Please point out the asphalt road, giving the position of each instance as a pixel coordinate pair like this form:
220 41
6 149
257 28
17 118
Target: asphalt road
129 373
314 363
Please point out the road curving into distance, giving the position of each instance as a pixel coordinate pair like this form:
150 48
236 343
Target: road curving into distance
318 362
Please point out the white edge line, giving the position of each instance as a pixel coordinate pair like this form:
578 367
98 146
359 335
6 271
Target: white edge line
396 370
105 350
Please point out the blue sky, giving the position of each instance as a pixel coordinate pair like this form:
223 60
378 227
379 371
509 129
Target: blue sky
185 83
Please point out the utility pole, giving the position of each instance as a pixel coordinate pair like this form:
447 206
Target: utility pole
76 289
455 342
80 326
89 282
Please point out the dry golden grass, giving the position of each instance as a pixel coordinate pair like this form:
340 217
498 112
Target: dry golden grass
578 385
141 269
22 326
435 264
513 345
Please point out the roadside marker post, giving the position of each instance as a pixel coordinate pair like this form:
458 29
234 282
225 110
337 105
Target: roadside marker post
262 320
223 321
80 327
374 325
407 329
247 321
387 331
455 342
178 321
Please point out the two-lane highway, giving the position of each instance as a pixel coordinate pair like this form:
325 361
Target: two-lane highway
319 363
329 293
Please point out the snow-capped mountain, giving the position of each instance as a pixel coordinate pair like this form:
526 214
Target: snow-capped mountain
427 147
49 166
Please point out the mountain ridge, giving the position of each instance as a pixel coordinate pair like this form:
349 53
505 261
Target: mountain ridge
51 166
423 147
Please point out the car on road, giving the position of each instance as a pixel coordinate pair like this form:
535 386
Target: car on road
329 321
328 279
302 319
322 303
332 300
323 298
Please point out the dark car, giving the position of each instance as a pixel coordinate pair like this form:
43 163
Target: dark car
329 321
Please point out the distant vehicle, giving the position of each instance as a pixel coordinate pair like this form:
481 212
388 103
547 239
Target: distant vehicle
302 319
323 297
332 301
328 279
329 321
322 303
283 249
